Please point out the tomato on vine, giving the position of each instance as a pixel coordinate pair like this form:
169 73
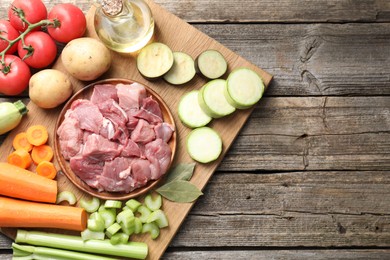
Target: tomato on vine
14 75
70 23
7 33
32 11
39 50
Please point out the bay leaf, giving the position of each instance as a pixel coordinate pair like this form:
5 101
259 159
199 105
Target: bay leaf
179 191
182 171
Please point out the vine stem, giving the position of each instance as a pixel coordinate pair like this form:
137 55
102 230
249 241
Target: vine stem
42 23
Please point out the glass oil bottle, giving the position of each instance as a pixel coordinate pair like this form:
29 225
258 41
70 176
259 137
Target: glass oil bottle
124 26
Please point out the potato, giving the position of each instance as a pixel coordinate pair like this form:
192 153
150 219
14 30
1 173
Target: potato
49 88
86 58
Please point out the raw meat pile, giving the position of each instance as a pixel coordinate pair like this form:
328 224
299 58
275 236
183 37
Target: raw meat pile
116 141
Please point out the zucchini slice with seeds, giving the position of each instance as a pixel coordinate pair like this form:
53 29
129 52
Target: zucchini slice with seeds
154 60
211 64
212 99
244 88
204 144
183 69
190 112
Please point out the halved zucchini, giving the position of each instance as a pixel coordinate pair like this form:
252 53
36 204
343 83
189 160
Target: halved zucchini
211 64
154 60
244 88
212 99
183 69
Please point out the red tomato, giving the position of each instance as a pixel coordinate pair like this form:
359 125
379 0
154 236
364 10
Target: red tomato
43 49
72 22
10 33
34 11
14 76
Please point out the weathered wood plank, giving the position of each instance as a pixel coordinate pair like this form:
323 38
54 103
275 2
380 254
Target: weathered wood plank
280 254
307 209
314 59
292 11
357 254
279 11
5 242
319 59
327 133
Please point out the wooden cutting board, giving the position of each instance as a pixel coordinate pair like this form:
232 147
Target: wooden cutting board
179 36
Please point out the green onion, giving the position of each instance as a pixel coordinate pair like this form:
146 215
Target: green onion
159 218
66 196
145 212
90 206
133 204
35 252
153 203
138 250
113 204
152 228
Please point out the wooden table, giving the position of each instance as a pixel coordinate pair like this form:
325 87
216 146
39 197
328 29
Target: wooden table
308 177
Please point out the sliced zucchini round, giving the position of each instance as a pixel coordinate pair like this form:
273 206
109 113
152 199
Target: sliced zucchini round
183 69
211 64
244 88
204 144
154 60
212 99
190 112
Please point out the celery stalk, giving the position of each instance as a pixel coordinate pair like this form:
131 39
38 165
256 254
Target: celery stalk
153 203
145 212
34 252
66 196
138 250
159 218
91 205
133 204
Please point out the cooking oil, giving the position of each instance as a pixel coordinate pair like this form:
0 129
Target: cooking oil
124 25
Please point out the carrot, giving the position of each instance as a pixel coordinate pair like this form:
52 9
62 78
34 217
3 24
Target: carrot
20 158
46 169
41 153
37 135
20 142
21 213
23 184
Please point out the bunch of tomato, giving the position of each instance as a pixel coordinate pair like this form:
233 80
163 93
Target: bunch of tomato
28 39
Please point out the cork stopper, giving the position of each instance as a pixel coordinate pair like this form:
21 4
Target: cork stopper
112 7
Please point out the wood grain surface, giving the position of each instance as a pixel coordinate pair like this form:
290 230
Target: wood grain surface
308 175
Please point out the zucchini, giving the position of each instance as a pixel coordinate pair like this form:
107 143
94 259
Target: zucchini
244 88
154 60
211 64
212 99
190 112
204 144
183 69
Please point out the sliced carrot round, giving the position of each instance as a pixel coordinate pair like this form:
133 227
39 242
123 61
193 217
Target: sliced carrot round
41 153
20 142
46 169
20 158
37 135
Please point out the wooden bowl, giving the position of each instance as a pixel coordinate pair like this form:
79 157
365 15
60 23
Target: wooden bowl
86 93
